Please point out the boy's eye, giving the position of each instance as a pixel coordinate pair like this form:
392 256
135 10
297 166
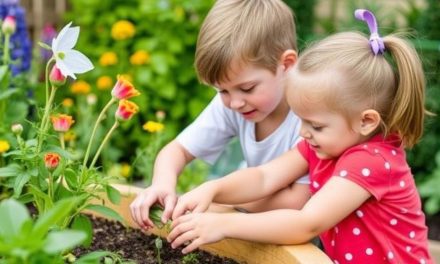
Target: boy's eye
248 90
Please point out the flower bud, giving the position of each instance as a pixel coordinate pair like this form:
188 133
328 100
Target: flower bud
62 123
126 110
51 160
56 78
17 129
9 25
123 89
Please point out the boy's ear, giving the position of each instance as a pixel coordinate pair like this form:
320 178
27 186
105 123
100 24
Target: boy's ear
288 58
370 120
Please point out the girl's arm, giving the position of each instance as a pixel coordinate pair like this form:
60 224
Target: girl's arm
245 185
336 200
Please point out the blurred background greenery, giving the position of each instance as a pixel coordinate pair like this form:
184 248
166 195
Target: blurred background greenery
152 42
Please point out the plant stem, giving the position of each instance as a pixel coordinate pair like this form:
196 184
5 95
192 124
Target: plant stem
109 133
89 146
45 119
52 59
62 144
6 57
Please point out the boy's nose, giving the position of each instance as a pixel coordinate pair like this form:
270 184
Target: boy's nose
237 103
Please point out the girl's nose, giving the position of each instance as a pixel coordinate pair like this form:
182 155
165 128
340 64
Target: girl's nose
305 133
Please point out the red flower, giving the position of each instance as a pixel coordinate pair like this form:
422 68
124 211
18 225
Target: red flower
56 78
126 110
123 89
62 123
51 160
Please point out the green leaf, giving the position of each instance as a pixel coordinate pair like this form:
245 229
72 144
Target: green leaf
108 212
113 194
44 45
83 223
60 210
59 241
92 257
13 215
71 178
7 93
20 181
10 171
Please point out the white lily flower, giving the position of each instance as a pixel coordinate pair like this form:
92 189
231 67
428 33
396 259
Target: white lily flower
68 60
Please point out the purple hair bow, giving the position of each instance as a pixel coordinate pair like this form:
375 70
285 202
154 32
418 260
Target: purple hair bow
376 42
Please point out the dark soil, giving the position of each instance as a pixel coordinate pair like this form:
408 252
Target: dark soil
433 223
134 245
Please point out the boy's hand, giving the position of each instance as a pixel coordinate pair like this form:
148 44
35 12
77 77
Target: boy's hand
196 229
140 207
195 201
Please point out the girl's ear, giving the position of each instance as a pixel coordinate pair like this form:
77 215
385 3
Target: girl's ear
369 122
288 59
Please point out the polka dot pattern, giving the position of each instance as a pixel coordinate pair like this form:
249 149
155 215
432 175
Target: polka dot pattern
381 170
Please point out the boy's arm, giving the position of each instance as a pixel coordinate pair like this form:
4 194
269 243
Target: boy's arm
169 163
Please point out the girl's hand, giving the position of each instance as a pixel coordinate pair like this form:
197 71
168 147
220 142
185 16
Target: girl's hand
196 229
195 201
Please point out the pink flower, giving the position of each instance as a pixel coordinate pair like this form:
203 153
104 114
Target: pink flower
62 123
9 25
56 78
51 160
124 89
126 110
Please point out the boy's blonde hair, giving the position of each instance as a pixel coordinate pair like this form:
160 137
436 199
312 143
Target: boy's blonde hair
363 81
252 31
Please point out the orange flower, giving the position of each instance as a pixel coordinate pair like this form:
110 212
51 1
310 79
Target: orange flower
80 87
126 110
62 123
108 58
104 82
123 89
140 57
67 102
51 160
123 29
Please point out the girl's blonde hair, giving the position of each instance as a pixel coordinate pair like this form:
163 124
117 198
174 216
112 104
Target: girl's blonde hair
250 31
393 84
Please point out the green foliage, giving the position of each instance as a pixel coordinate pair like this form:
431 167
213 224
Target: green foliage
24 241
304 18
167 31
421 158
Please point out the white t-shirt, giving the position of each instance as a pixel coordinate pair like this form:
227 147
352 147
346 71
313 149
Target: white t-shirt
209 134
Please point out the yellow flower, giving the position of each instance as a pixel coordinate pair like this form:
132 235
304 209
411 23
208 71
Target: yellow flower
4 146
67 102
140 57
108 58
125 170
123 29
104 82
69 136
80 87
153 127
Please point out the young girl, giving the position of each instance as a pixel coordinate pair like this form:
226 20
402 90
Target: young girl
358 114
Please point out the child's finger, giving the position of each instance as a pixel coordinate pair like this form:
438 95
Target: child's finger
169 203
192 246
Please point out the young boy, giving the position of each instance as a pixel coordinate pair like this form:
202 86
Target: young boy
244 49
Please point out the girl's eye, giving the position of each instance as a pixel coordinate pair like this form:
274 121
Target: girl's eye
317 128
